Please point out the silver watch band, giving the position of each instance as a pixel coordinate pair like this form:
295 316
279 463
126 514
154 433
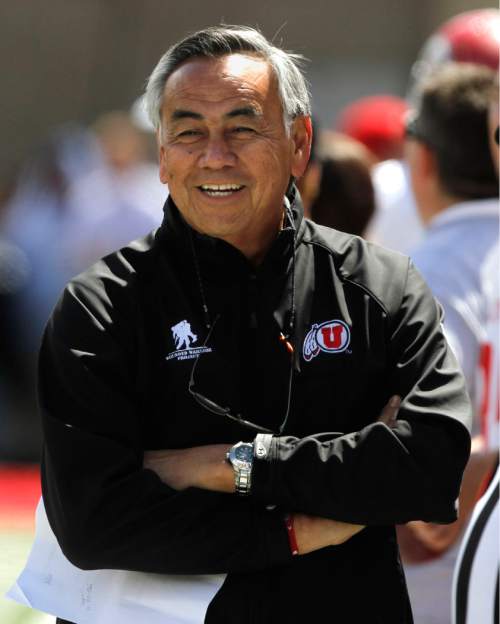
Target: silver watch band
243 481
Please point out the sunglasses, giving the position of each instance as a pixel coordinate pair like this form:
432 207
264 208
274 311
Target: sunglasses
226 412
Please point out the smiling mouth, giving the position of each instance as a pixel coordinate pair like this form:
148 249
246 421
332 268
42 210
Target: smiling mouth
220 190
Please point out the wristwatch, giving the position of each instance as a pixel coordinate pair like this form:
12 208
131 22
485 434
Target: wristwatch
240 456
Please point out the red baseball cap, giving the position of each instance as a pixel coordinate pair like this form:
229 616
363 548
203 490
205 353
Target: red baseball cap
470 37
378 122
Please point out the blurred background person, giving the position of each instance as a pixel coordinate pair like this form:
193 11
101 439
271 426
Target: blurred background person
475 583
378 122
82 194
39 216
469 37
14 273
308 184
473 36
456 192
345 199
120 200
36 220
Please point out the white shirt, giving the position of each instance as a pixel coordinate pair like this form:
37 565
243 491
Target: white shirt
453 258
488 368
457 257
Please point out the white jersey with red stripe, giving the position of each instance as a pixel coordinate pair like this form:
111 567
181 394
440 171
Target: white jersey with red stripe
455 258
488 370
459 260
475 584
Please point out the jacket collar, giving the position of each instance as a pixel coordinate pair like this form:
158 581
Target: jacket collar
220 261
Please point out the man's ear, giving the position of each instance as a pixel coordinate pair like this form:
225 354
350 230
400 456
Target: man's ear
301 134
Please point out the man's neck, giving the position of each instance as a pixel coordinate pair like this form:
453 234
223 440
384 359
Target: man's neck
436 205
255 248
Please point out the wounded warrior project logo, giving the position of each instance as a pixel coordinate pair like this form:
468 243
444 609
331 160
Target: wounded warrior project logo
330 337
184 338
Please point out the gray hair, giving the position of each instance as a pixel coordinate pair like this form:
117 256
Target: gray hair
218 41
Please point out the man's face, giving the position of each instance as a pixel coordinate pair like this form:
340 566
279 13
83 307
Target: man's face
224 149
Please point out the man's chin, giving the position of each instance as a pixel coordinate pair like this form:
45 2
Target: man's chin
219 223
227 234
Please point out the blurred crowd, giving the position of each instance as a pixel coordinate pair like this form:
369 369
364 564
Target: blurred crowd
83 193
419 175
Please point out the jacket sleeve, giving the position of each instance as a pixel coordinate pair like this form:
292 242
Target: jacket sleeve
104 508
382 475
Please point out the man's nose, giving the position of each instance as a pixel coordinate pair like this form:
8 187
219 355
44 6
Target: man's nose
217 154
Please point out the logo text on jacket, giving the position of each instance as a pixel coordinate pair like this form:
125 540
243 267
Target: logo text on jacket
330 337
184 338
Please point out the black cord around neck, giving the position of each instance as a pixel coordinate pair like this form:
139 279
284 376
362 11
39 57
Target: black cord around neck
291 324
206 314
204 305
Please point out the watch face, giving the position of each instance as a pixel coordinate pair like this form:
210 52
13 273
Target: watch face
244 453
241 455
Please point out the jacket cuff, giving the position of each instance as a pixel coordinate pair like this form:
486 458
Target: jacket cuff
264 467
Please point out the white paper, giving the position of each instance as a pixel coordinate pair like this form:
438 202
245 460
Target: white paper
52 584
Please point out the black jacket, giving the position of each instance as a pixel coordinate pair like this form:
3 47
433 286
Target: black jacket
113 384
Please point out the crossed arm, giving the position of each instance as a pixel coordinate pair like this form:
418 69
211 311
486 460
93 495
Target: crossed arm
206 467
107 511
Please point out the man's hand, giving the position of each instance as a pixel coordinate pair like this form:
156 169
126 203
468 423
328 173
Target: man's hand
200 466
313 533
206 467
390 412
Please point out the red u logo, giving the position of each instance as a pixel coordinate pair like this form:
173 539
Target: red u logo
332 336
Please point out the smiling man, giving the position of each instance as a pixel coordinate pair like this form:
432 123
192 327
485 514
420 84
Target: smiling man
222 136
223 396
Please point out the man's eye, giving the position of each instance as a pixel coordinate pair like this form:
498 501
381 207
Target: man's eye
243 130
188 133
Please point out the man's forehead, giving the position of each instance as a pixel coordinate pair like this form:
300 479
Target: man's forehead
215 79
